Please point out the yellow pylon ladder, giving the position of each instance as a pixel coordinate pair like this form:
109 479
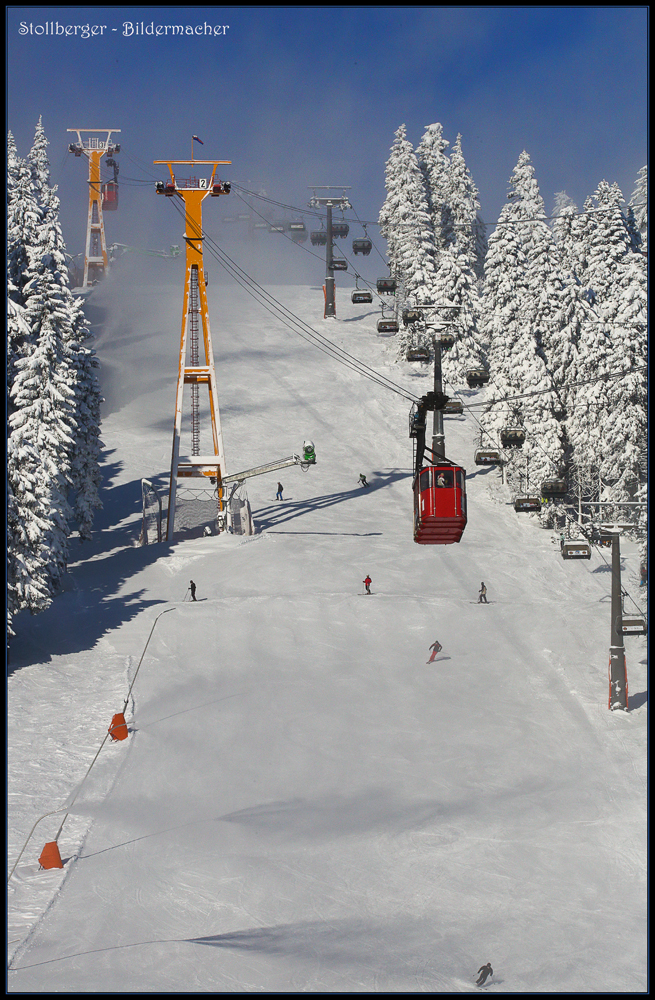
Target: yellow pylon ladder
195 316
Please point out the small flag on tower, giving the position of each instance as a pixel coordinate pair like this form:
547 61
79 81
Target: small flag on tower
198 140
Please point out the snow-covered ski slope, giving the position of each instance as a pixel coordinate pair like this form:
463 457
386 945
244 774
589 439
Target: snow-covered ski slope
303 804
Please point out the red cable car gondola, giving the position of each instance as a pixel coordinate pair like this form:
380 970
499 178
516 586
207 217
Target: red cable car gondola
439 504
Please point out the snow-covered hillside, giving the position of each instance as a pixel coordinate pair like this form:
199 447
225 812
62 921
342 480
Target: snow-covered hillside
303 803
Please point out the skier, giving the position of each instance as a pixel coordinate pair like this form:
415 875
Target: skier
367 584
482 599
278 495
192 588
485 971
436 648
362 479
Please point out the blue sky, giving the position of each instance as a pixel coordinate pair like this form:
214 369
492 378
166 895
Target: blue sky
296 96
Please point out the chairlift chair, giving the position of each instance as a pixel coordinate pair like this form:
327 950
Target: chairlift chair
411 316
446 340
340 229
386 286
387 326
477 377
318 237
361 295
487 456
278 227
453 407
554 489
633 625
363 246
527 505
512 437
338 264
576 548
418 354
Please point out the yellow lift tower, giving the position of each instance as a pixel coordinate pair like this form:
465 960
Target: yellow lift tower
204 469
96 260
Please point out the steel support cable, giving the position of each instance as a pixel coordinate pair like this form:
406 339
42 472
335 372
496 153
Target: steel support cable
69 805
299 326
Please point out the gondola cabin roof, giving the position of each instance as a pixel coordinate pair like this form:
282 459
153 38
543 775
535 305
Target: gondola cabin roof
439 505
361 295
529 505
487 456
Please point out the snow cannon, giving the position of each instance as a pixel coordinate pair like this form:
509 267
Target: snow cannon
308 453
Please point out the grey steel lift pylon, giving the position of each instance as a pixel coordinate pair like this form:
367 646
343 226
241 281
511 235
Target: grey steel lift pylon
195 317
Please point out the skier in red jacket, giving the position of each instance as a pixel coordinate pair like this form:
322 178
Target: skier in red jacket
367 584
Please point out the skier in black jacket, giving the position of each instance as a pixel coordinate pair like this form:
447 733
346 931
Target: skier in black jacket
484 971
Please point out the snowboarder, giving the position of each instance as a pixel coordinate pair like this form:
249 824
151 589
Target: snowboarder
192 588
436 648
362 479
485 971
482 599
367 584
278 495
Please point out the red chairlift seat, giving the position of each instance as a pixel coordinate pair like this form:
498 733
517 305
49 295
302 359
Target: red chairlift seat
439 505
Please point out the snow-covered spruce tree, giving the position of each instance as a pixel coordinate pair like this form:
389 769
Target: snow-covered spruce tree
407 226
40 438
456 284
74 329
516 357
466 230
22 225
434 163
639 204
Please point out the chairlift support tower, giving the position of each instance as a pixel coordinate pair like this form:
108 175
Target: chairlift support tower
96 259
329 202
195 317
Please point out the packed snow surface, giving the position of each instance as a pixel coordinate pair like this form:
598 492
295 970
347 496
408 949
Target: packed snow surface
303 803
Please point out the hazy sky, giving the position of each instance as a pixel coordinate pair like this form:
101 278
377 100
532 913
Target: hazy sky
296 96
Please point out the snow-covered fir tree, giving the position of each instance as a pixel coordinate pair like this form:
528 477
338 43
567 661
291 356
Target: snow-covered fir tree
54 403
639 204
434 163
466 230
